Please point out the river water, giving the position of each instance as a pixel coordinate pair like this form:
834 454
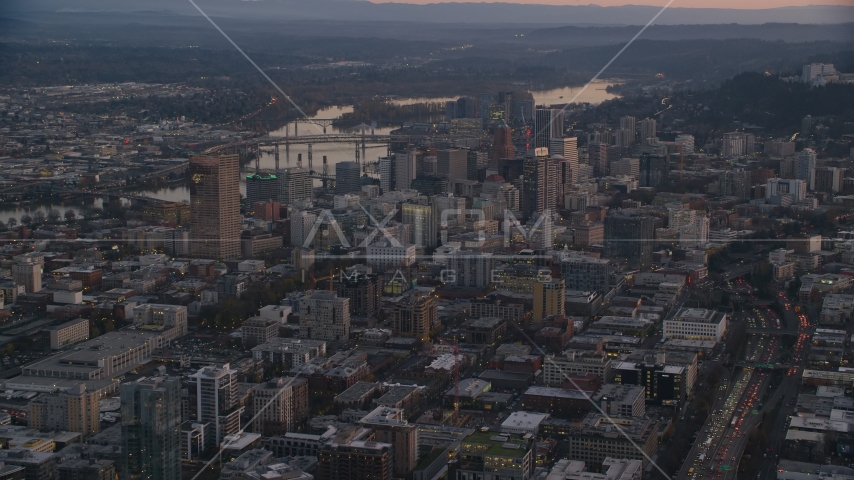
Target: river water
337 152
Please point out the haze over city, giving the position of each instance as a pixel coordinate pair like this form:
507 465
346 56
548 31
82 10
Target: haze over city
418 240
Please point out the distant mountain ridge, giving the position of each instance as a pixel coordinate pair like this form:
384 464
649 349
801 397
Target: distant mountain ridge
448 13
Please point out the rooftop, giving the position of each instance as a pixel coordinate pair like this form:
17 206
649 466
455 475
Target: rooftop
524 420
557 393
502 444
699 315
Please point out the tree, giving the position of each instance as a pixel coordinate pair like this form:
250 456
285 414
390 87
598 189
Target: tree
39 218
12 222
25 219
53 215
70 216
2 225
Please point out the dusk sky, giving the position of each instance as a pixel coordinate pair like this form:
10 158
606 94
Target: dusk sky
749 4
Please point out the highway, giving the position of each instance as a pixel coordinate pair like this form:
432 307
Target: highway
738 411
722 440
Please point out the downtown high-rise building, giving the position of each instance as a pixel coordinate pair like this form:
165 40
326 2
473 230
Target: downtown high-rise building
587 274
734 183
687 142
568 149
302 223
654 170
549 299
404 169
324 316
629 239
597 157
347 178
540 189
261 187
272 403
27 271
362 289
414 316
294 185
151 423
215 206
828 179
212 398
806 167
548 124
387 174
389 425
73 410
649 131
502 143
354 459
423 221
629 124
452 164
484 100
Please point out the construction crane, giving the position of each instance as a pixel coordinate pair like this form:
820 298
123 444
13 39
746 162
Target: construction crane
315 280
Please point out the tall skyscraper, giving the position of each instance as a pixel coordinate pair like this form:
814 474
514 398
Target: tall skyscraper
213 399
151 422
484 101
404 169
549 299
347 178
568 149
629 239
261 187
502 143
654 170
548 124
215 206
540 190
624 138
649 133
324 316
301 225
629 124
387 174
806 167
294 185
423 221
452 164
597 156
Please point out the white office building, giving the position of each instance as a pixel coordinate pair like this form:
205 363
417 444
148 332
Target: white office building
696 324
384 255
